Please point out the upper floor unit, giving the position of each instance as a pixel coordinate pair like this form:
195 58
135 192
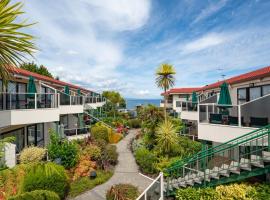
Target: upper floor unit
32 98
250 97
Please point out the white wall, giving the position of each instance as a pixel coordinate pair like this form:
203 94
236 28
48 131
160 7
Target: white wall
31 116
71 109
221 133
190 115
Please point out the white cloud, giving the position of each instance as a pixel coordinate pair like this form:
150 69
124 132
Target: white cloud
72 52
210 10
205 42
143 92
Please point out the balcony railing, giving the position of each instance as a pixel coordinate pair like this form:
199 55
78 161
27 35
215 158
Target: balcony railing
254 113
187 106
92 99
76 131
70 100
16 101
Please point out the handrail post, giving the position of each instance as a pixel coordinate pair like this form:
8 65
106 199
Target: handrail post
239 115
162 185
70 100
207 119
35 100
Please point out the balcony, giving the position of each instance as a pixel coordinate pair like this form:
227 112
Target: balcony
223 124
26 108
74 133
70 104
187 110
94 101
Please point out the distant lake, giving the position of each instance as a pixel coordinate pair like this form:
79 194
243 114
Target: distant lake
132 103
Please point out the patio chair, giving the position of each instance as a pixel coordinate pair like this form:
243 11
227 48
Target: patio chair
215 118
258 121
234 120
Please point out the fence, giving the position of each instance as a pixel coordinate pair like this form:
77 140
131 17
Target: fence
154 191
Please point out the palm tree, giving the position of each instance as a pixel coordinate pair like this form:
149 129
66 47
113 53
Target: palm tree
15 45
165 79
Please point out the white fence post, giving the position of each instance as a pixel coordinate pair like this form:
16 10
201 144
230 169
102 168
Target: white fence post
10 154
35 100
239 115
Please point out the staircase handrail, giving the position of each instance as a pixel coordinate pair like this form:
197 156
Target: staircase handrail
213 150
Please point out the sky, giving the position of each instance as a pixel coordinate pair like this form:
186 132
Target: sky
118 44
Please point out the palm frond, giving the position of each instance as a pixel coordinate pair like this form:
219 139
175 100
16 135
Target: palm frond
15 45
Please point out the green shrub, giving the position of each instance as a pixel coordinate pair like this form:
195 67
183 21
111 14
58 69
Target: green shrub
93 151
196 194
262 191
32 154
136 144
100 143
46 176
100 132
123 192
110 154
146 160
64 150
36 195
188 194
134 123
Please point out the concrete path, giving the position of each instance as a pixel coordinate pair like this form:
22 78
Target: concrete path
126 171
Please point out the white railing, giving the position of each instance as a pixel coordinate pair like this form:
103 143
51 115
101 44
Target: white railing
93 99
255 113
187 106
15 101
76 131
155 190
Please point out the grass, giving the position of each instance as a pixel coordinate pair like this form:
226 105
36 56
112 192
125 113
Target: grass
85 183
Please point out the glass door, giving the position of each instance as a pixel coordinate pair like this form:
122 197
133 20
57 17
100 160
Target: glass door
35 135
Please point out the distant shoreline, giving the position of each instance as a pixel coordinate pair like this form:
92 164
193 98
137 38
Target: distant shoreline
132 102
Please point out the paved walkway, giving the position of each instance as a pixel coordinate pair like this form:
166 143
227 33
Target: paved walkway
126 171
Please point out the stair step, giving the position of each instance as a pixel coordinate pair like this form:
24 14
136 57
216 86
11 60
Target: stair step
224 170
234 167
266 156
256 161
214 173
245 164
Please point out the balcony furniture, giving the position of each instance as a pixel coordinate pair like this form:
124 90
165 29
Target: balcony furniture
258 121
215 118
234 120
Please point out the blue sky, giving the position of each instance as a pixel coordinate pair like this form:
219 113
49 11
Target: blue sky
118 44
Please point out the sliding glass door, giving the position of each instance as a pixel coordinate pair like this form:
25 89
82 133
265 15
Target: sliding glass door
35 135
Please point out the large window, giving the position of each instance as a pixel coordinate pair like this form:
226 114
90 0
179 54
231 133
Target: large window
35 135
19 138
251 93
47 97
16 95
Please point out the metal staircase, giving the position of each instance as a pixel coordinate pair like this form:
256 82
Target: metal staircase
96 114
238 159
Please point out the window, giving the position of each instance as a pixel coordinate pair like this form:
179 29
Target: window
35 135
266 90
16 97
19 138
242 95
178 104
254 93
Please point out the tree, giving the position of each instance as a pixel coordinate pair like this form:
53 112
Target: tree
114 98
165 79
33 67
15 45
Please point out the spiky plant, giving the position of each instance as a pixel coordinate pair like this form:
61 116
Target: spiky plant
164 80
166 137
15 45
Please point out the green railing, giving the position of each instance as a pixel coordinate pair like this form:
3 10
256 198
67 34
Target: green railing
224 159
